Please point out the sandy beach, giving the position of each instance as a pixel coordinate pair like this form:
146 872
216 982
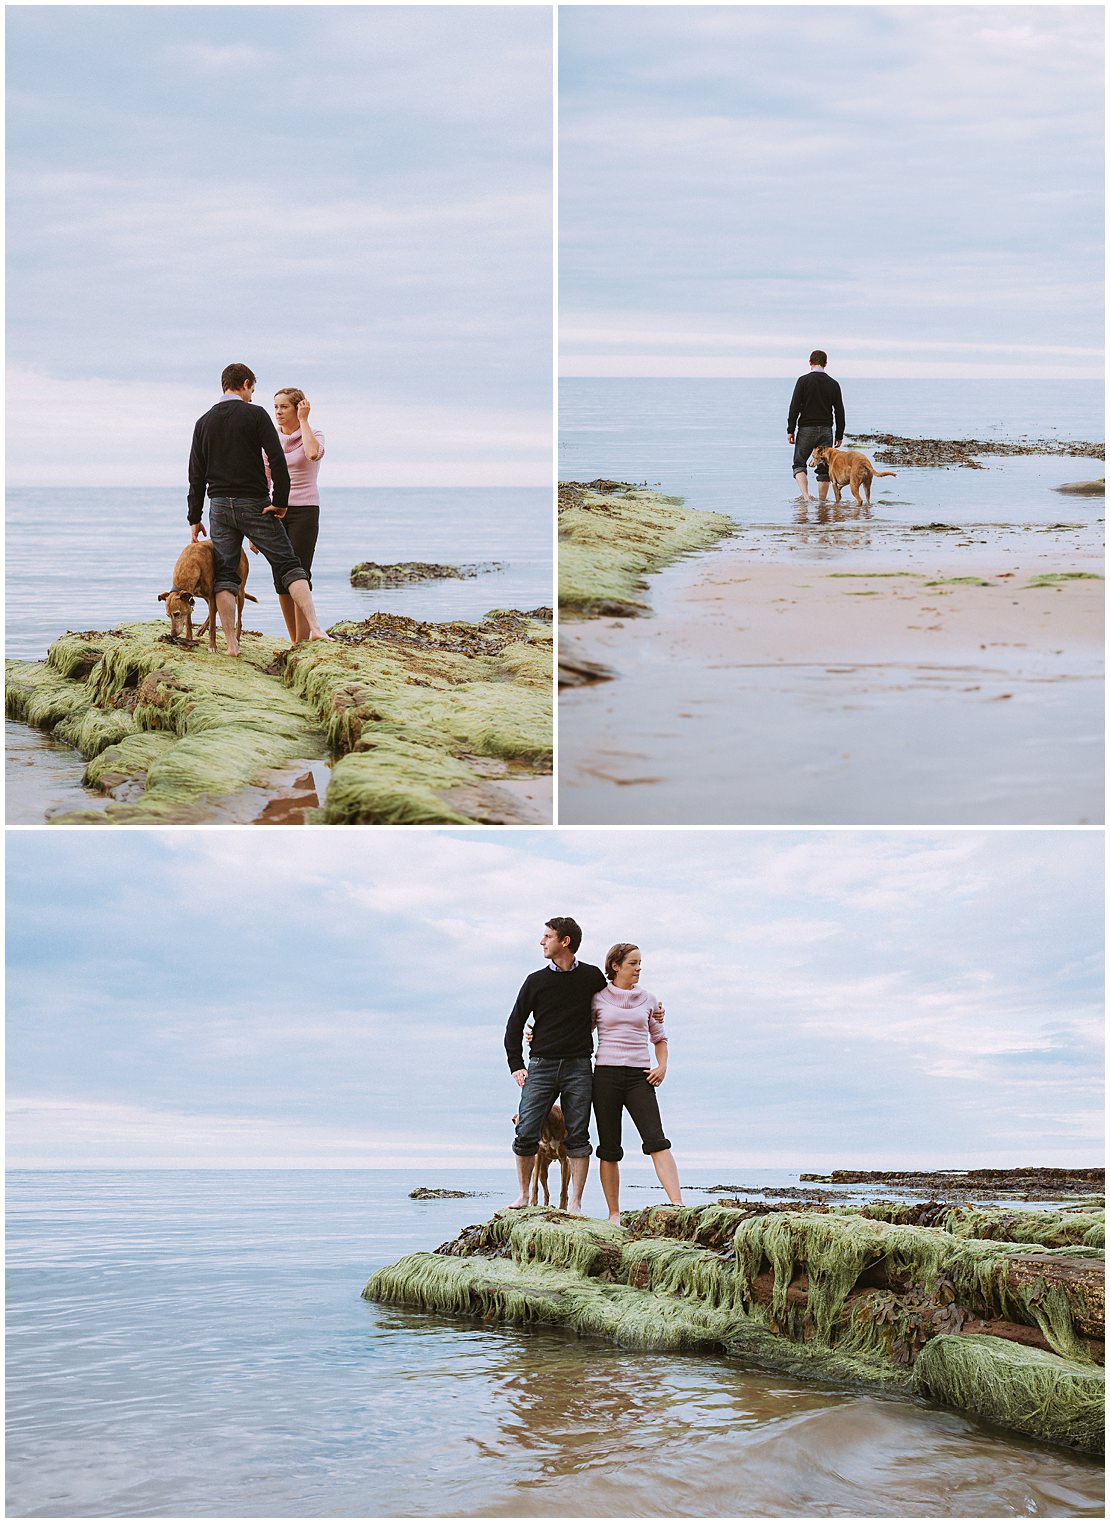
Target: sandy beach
962 690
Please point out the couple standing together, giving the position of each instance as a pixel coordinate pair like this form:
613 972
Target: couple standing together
240 459
568 1001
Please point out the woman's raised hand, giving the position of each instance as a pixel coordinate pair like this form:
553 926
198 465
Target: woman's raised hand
303 410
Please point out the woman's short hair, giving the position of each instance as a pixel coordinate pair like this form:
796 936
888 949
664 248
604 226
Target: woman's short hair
616 955
294 393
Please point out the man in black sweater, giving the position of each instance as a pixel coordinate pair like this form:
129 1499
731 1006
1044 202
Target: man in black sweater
558 998
814 408
226 457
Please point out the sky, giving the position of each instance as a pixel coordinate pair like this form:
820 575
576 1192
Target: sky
355 200
917 190
315 998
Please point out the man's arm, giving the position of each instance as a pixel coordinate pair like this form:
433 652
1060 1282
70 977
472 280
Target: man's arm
795 410
198 480
514 1029
838 412
275 455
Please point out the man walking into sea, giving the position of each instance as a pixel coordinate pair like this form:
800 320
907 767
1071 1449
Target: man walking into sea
226 458
559 998
815 408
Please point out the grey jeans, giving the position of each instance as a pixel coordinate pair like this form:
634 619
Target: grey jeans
806 440
233 519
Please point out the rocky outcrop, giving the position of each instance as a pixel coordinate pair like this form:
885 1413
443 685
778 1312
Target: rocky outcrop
1008 1331
424 723
403 573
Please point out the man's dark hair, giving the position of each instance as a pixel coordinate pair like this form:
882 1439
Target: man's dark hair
235 377
818 357
565 927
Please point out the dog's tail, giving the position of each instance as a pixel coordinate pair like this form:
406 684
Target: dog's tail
884 473
249 597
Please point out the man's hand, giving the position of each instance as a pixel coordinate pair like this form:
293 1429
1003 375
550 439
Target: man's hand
838 443
520 1075
655 1076
276 511
790 438
199 532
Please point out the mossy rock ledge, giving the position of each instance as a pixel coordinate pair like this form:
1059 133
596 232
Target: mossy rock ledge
375 574
612 534
422 721
1009 1332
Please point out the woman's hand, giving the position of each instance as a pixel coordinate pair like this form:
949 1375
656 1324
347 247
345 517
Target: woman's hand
656 1075
660 1011
303 410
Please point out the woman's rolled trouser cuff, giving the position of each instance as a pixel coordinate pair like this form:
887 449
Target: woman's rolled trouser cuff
656 1147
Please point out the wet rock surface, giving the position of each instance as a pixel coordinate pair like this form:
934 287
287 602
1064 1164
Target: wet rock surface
1034 1183
1009 1330
403 573
895 449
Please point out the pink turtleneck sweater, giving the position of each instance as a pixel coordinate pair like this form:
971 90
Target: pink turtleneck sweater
626 1025
303 491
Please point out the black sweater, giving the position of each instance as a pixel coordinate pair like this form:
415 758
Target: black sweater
227 456
815 402
560 1003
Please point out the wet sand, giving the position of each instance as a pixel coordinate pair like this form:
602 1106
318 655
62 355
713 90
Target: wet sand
846 690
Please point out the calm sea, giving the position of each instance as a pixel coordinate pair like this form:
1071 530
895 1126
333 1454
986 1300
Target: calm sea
194 1344
92 559
721 444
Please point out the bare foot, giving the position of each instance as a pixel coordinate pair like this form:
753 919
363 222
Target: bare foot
233 652
515 1205
319 634
615 1218
574 1208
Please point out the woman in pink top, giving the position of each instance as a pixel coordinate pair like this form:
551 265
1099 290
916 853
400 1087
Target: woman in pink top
304 449
627 1019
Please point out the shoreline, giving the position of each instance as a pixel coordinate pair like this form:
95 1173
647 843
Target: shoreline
933 675
423 723
612 536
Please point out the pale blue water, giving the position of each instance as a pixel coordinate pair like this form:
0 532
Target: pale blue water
194 1344
93 559
721 444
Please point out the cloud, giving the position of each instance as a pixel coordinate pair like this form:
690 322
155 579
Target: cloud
827 994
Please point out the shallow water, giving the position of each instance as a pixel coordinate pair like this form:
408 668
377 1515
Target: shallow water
722 446
94 559
194 1343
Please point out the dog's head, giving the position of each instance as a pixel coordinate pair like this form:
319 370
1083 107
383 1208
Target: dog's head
822 452
179 605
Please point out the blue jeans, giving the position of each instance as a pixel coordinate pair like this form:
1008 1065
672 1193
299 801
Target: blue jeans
571 1082
233 519
806 440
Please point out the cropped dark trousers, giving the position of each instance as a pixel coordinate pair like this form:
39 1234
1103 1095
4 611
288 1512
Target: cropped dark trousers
625 1089
302 524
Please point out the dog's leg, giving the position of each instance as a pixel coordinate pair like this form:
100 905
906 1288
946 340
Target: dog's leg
564 1188
212 622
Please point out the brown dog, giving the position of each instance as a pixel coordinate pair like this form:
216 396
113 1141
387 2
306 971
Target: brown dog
551 1151
849 468
193 574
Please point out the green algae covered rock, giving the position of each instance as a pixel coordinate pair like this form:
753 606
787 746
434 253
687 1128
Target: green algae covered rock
1039 1394
612 534
1006 1332
423 720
